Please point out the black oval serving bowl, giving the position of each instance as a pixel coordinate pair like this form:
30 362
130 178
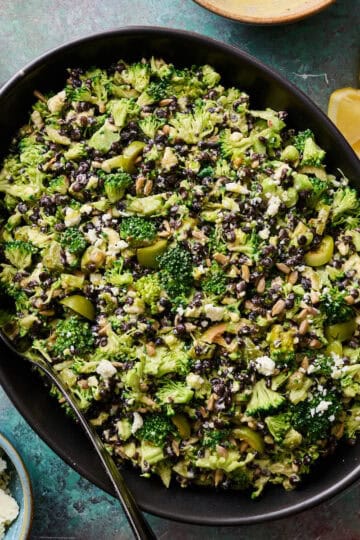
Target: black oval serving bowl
266 89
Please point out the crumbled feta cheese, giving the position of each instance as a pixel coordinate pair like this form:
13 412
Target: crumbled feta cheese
332 418
180 311
86 209
137 422
72 217
264 234
9 508
265 365
214 313
194 381
115 248
92 381
322 407
91 236
106 369
273 206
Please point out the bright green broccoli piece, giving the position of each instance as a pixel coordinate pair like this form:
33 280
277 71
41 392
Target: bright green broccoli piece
192 127
215 281
346 208
25 185
318 190
122 110
150 125
116 276
300 139
19 253
263 400
174 392
137 75
31 152
241 479
314 417
84 397
278 425
115 184
350 380
174 360
155 429
116 347
334 306
216 437
73 241
149 289
322 365
209 76
59 184
72 336
94 90
137 231
313 155
352 422
176 271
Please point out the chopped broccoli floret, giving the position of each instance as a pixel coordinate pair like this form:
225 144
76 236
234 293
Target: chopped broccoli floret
313 155
323 365
149 289
150 125
72 336
300 139
73 241
350 380
346 207
334 306
278 425
19 253
116 276
193 127
214 437
84 397
155 429
263 400
319 189
137 75
314 417
94 90
215 281
137 231
59 184
122 110
210 76
174 392
176 271
115 184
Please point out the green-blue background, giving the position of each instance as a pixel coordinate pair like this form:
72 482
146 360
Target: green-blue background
319 55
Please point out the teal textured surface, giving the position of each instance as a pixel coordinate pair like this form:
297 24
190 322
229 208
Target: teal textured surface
318 55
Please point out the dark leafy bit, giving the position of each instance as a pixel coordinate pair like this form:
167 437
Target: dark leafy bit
216 258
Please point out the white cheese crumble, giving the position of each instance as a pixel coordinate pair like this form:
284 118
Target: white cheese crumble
273 206
320 408
214 313
264 234
9 508
105 369
265 365
137 422
72 217
194 381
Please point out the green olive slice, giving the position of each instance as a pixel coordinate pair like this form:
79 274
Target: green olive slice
253 438
147 256
80 305
340 331
322 254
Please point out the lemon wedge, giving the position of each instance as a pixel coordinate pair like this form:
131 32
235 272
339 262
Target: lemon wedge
344 111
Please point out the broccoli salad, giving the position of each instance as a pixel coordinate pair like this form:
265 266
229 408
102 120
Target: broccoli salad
191 270
9 508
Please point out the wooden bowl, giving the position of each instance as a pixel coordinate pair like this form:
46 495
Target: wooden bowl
265 11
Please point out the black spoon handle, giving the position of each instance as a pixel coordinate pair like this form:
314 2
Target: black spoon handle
139 525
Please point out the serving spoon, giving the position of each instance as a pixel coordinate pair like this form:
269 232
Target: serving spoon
139 525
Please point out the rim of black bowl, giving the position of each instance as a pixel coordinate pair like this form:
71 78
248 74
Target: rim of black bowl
351 157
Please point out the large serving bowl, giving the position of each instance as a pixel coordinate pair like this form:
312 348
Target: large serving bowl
267 89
